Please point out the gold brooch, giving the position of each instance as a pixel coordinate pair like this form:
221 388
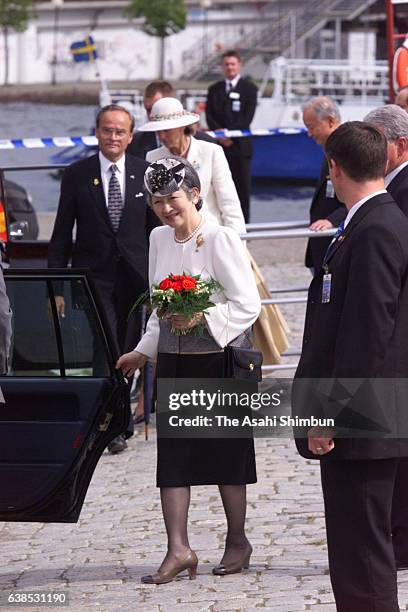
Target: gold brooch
96 182
199 241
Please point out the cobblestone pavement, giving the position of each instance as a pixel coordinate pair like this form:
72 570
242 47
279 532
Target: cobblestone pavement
120 537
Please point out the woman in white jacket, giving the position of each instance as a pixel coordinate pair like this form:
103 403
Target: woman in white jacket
190 244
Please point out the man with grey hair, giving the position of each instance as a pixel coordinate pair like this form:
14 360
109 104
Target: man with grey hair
321 117
393 122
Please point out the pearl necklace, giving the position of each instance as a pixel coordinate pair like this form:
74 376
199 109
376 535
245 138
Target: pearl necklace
193 233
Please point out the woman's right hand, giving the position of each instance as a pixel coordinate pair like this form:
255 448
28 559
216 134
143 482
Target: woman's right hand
130 362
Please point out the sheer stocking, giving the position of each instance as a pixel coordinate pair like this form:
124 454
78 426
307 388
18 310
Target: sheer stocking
234 502
175 503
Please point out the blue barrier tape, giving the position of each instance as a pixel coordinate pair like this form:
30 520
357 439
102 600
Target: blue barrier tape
91 141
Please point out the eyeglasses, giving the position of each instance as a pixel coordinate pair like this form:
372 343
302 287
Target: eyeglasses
112 132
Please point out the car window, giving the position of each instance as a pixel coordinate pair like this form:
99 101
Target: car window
45 344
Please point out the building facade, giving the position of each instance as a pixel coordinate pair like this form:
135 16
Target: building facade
261 30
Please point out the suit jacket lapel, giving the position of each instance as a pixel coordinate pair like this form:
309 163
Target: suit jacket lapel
193 155
362 212
133 187
400 178
324 172
96 189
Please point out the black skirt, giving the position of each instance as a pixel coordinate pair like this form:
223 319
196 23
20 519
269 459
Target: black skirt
201 461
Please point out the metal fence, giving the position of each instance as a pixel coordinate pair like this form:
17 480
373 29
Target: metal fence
283 229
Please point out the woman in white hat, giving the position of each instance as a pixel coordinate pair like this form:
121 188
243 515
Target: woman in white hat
172 124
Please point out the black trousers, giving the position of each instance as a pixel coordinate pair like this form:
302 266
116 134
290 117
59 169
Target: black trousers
241 175
117 298
358 499
399 516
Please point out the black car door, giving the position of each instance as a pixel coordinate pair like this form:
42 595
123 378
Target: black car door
64 400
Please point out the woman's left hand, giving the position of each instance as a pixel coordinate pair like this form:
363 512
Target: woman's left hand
182 322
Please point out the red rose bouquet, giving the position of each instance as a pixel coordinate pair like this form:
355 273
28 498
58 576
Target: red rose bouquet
184 295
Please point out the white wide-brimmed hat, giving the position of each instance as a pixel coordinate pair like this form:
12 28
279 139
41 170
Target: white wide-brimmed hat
168 113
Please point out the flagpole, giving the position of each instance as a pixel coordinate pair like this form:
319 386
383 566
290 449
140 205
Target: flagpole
104 95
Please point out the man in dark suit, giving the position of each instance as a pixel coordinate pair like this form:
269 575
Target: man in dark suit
103 196
321 117
231 104
354 338
143 142
393 122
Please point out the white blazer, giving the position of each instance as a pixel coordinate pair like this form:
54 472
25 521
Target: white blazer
220 254
220 198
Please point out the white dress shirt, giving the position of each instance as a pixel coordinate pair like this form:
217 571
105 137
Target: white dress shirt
220 198
106 174
359 204
394 173
233 82
220 255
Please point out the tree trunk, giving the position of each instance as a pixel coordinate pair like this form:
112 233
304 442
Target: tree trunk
6 55
162 45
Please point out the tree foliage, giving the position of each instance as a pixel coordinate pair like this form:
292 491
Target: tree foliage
14 14
162 17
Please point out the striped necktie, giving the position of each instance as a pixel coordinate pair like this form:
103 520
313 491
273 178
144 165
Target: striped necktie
115 202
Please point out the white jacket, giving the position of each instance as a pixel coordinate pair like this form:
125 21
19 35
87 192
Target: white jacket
218 254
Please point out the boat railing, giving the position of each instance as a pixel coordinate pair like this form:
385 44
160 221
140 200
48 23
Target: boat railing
274 225
276 230
286 233
299 79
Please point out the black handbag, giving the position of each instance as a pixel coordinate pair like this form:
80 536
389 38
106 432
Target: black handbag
243 363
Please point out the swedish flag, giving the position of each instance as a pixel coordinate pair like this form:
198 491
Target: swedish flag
84 50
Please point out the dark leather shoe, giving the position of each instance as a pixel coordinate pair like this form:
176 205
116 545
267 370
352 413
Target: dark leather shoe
118 445
234 568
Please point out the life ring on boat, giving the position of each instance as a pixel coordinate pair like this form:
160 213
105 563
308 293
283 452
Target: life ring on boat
400 67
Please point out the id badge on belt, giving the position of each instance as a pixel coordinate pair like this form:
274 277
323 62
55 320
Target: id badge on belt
326 287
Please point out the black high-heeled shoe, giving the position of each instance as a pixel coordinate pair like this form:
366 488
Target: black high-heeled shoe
189 563
237 566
